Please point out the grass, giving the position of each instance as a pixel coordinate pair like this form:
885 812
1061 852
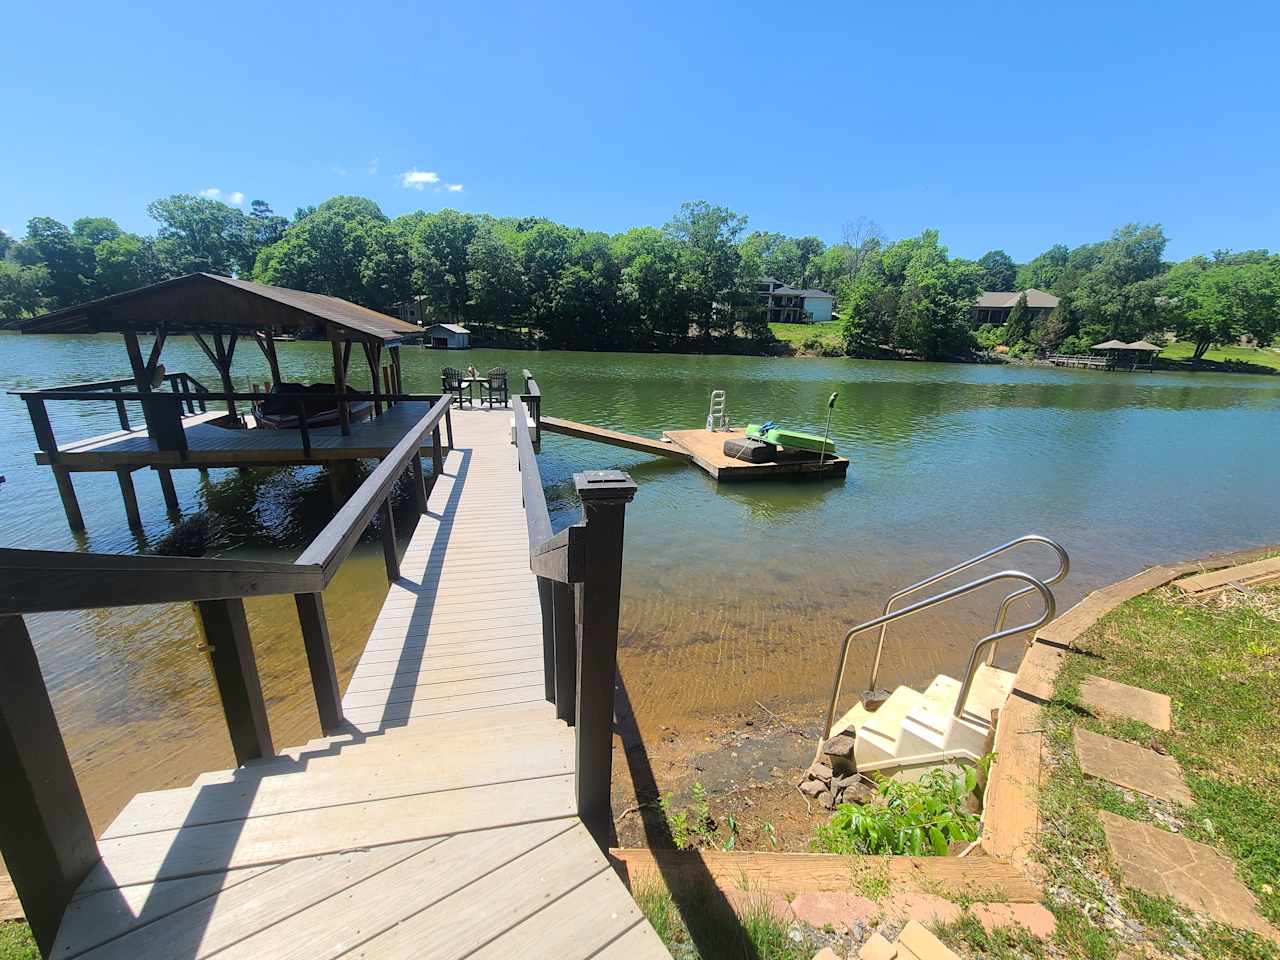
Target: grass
823 338
966 933
1179 353
754 932
16 942
1221 666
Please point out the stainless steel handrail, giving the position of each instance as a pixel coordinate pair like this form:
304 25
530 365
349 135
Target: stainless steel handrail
1063 567
925 604
993 638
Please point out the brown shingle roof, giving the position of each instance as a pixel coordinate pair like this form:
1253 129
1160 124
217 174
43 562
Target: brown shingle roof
1007 298
204 302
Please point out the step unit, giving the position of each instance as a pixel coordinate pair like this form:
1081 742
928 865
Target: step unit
913 732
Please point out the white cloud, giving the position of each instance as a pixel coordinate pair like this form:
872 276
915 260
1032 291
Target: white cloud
236 197
373 166
415 179
213 193
453 187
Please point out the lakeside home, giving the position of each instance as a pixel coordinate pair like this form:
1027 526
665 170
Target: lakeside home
786 304
996 305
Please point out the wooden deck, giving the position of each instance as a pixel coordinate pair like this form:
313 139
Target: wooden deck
209 444
441 824
707 450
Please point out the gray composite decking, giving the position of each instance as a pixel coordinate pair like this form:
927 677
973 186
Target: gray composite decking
441 824
208 443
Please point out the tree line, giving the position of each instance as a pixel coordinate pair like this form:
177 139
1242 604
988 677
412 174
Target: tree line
911 296
690 284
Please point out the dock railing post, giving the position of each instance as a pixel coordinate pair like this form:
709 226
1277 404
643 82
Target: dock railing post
389 540
45 834
564 647
604 495
235 672
324 678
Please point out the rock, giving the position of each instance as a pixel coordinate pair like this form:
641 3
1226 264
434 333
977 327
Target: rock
827 799
855 789
820 771
811 788
841 746
796 935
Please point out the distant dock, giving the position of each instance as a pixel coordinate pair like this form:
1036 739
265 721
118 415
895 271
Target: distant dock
704 449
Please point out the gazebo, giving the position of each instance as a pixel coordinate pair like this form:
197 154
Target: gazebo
219 312
1131 356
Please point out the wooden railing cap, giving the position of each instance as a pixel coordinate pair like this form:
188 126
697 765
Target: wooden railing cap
605 485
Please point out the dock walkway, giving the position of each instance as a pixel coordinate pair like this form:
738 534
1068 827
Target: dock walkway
441 823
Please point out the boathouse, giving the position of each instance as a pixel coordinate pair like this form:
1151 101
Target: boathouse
448 336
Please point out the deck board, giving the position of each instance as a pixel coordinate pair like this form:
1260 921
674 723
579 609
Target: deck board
441 823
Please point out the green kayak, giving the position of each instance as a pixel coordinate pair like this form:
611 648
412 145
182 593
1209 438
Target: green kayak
790 439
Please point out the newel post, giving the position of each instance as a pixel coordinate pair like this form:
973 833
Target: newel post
235 672
604 495
45 834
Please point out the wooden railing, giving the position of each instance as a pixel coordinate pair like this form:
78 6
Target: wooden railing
579 573
45 834
533 399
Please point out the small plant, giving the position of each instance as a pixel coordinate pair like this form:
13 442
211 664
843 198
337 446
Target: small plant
677 821
770 834
732 823
912 818
692 826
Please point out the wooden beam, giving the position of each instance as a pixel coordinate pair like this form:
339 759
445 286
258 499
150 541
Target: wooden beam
45 835
171 502
208 351
372 352
222 361
268 348
324 678
389 555
153 360
340 386
130 497
67 493
235 671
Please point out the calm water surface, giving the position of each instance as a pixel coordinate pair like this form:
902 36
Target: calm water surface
733 593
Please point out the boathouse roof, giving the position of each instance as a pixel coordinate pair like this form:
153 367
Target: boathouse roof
206 303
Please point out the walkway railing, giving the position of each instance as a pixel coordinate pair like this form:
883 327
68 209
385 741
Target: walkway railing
45 835
579 573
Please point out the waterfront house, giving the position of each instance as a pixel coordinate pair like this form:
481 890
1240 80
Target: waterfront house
787 304
994 306
448 336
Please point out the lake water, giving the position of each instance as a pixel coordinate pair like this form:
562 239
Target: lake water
734 593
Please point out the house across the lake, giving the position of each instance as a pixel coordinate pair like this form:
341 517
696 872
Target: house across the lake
448 336
994 306
790 305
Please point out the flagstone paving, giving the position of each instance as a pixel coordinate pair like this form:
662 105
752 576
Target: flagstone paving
1132 766
1166 864
1122 700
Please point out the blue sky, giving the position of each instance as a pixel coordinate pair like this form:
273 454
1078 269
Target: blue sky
1002 125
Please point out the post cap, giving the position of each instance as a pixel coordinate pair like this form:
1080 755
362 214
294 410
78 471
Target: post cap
604 485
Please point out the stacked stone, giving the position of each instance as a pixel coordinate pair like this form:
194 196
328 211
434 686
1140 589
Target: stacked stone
835 779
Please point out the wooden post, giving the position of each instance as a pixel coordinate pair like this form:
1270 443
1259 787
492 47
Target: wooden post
130 497
566 653
70 505
324 678
389 540
340 385
386 385
372 350
121 411
45 834
235 671
548 641
397 380
224 351
448 423
141 378
166 487
437 455
419 484
605 495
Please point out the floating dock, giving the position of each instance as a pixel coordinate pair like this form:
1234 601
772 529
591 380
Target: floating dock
702 448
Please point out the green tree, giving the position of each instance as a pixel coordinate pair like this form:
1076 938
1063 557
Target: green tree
438 254
999 272
710 266
1216 302
21 290
67 279
495 279
650 297
200 235
125 262
1045 272
1116 295
1017 327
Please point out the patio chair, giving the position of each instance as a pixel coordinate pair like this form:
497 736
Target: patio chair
494 387
451 382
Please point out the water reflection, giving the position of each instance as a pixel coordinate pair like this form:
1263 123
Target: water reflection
731 593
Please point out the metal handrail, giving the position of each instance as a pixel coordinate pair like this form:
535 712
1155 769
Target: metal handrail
1063 567
993 638
925 604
